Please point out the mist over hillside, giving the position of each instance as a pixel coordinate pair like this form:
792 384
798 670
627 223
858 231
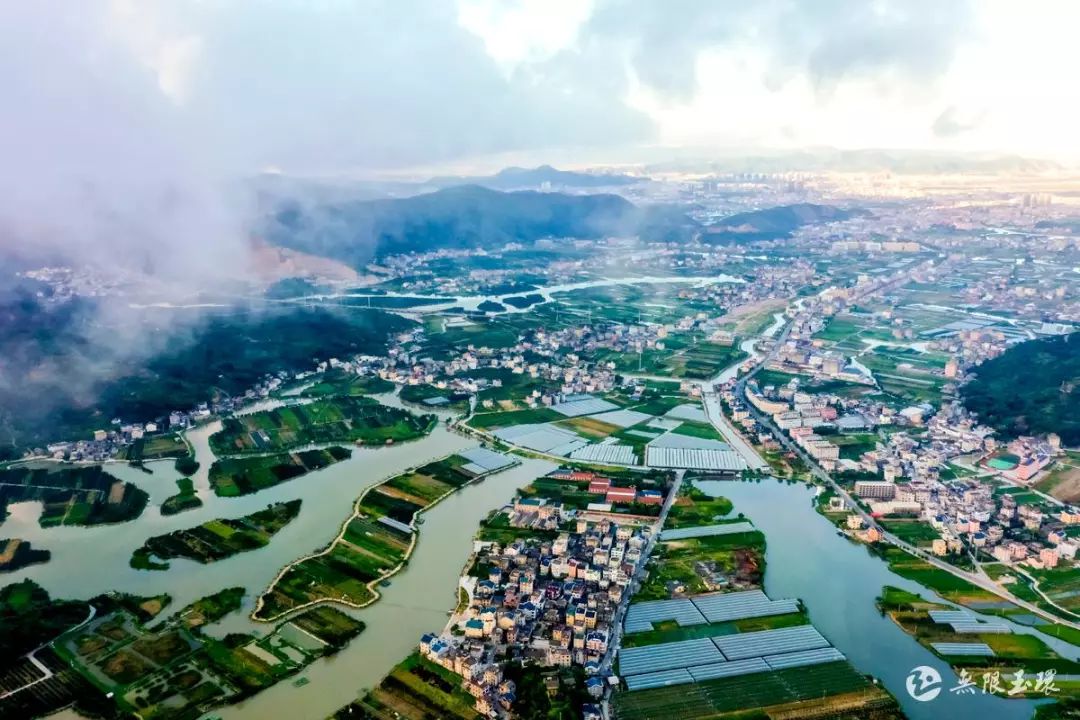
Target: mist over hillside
463 217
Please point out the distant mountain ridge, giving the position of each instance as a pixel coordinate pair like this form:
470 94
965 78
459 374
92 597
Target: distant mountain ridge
460 217
513 178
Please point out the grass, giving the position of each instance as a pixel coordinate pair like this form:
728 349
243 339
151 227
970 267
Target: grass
913 531
337 382
589 428
733 561
698 430
694 507
940 581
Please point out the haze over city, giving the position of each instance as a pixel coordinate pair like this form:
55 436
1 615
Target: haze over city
598 360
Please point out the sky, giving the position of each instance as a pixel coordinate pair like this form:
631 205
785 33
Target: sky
127 124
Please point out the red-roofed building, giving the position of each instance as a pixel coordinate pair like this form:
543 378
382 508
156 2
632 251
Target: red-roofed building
599 486
650 497
621 495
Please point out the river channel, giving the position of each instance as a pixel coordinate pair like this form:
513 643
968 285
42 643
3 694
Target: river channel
838 581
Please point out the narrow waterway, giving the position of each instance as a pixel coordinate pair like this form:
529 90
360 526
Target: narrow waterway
417 601
839 581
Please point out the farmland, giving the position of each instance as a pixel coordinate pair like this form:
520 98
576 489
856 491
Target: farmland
833 685
704 564
415 689
72 495
1010 650
217 539
372 544
337 382
243 475
332 420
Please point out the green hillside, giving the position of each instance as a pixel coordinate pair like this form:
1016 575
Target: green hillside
1031 389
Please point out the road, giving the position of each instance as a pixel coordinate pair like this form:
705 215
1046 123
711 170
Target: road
976 579
634 584
31 656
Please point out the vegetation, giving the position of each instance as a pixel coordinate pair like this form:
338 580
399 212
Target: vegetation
72 495
338 419
1049 371
155 447
29 618
226 354
217 539
186 465
416 689
239 476
16 554
457 217
339 382
697 565
693 507
186 499
211 608
828 688
368 549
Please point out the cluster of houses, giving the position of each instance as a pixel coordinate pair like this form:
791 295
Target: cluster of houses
550 602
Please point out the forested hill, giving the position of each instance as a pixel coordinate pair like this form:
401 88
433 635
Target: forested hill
1031 389
58 381
775 222
462 217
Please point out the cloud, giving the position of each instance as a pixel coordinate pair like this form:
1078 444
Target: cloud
952 122
825 40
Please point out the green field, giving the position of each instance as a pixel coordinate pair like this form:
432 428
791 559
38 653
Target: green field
185 499
338 382
331 420
72 495
488 420
367 550
242 475
708 699
217 539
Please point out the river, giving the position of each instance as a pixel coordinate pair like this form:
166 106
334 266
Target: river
416 602
87 561
838 581
472 302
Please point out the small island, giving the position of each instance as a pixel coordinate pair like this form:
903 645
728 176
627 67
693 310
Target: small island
16 554
217 539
